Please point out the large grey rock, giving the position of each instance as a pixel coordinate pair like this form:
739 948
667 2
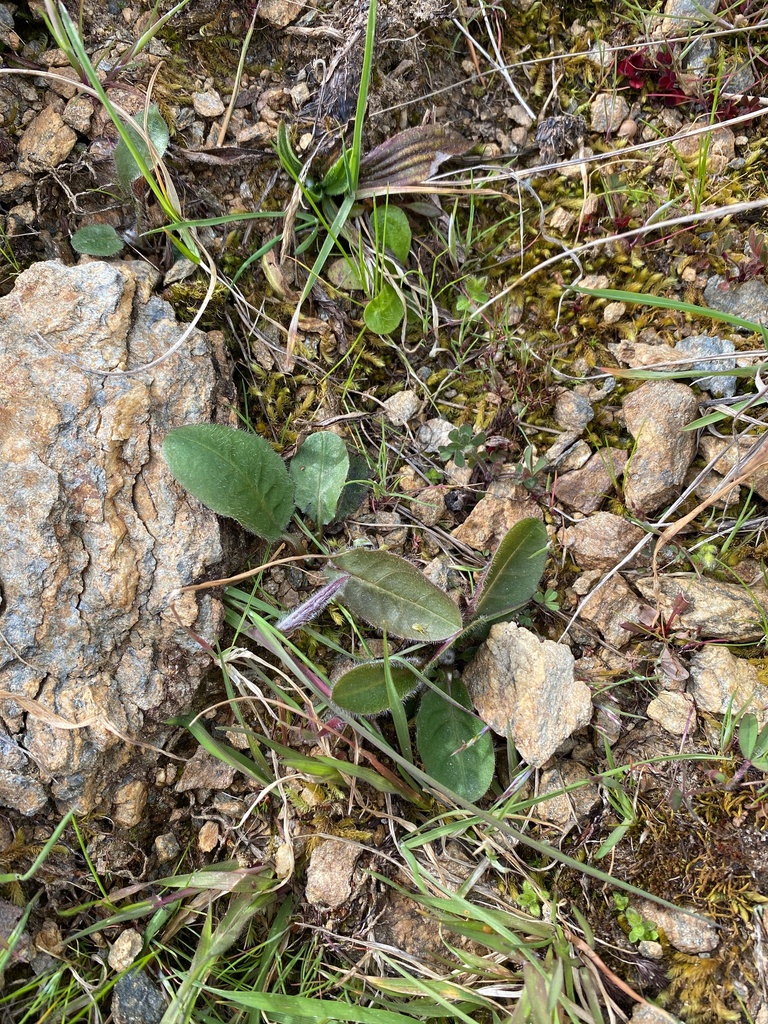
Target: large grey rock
524 688
46 142
137 999
563 808
572 411
95 535
505 504
655 415
674 712
612 605
647 1013
329 875
607 111
401 407
584 489
280 12
730 454
683 15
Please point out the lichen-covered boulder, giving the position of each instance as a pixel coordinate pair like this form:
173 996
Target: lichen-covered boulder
95 535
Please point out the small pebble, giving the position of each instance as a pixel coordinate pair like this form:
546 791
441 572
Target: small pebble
401 407
208 104
613 312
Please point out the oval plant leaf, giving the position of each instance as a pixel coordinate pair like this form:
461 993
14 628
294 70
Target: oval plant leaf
392 594
234 473
319 472
515 570
363 690
127 168
444 736
392 230
97 240
384 312
343 274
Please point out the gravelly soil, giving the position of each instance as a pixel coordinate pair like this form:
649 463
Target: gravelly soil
528 376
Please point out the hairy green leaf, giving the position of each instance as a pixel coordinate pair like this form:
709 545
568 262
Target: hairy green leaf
384 312
392 230
128 170
319 472
97 240
234 473
515 570
363 690
447 738
390 593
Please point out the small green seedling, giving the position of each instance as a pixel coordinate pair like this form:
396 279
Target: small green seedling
383 589
97 240
476 294
548 599
238 474
385 311
638 928
130 165
530 899
464 446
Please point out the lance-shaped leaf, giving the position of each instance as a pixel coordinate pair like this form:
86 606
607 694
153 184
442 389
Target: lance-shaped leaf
409 158
515 570
234 473
452 745
363 690
319 471
308 610
393 595
285 152
128 170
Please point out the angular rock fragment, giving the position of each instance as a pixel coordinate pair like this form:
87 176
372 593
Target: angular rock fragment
524 688
609 607
714 609
95 535
601 541
585 489
720 681
656 415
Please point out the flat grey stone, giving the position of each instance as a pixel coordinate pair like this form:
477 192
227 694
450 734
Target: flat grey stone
748 301
699 347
